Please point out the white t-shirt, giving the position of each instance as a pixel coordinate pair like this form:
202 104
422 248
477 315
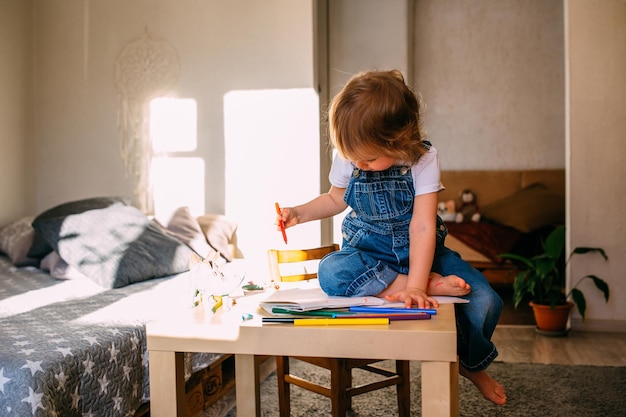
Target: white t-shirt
426 173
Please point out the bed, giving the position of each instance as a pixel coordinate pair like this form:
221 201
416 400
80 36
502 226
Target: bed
72 315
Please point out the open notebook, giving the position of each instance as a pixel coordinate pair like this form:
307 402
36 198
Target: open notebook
307 299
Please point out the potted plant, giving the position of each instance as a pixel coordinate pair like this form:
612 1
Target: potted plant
542 278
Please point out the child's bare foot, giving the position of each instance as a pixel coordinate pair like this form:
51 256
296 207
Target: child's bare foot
488 387
448 285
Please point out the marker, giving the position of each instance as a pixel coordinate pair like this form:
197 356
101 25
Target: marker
336 322
281 223
374 310
277 320
325 321
393 316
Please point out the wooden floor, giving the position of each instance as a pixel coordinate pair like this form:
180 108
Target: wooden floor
517 341
522 344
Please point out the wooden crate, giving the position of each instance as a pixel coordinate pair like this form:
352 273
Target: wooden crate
194 398
205 387
213 382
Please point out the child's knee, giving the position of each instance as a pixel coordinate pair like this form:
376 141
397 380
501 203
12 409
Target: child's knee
496 303
328 273
490 301
326 267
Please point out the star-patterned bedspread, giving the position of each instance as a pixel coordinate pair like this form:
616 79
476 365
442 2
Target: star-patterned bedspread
71 348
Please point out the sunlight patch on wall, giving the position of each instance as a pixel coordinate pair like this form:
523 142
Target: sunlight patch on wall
272 155
173 125
177 182
176 177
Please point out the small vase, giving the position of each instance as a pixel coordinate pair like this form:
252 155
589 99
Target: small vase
552 320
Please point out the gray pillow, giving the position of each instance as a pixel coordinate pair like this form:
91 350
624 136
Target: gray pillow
16 238
40 246
115 246
528 209
219 232
184 227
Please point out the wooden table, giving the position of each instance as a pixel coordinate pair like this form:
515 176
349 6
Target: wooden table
433 342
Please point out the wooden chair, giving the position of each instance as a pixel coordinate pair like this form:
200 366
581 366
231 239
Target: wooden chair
341 390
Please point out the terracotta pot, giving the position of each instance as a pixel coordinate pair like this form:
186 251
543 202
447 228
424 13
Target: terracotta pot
551 319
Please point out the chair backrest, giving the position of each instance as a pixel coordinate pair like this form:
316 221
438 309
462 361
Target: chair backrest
276 257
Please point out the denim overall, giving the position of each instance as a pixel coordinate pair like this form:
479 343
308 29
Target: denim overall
375 250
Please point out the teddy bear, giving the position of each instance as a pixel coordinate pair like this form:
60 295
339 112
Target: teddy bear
467 207
447 210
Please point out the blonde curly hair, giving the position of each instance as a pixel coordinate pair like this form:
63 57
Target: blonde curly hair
377 113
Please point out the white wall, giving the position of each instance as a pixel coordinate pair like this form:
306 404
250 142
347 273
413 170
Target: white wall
492 75
596 59
366 35
222 45
491 72
16 168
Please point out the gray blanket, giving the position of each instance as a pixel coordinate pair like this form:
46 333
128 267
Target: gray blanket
72 348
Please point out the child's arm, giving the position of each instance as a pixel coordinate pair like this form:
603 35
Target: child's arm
422 239
321 207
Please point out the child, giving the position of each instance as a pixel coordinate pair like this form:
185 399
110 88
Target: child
392 238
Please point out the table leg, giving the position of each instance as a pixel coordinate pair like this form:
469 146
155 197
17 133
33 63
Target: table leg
167 384
440 389
247 386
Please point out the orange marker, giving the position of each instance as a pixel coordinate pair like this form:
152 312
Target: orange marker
281 223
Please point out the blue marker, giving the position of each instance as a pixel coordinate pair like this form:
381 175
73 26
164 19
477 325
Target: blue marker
383 310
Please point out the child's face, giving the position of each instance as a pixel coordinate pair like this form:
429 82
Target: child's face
379 163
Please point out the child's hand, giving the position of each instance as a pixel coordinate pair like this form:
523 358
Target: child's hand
288 217
413 296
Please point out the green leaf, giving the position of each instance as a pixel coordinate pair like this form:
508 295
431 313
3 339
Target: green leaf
601 285
527 262
582 250
555 242
579 300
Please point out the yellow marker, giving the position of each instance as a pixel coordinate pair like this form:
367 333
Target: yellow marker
339 321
